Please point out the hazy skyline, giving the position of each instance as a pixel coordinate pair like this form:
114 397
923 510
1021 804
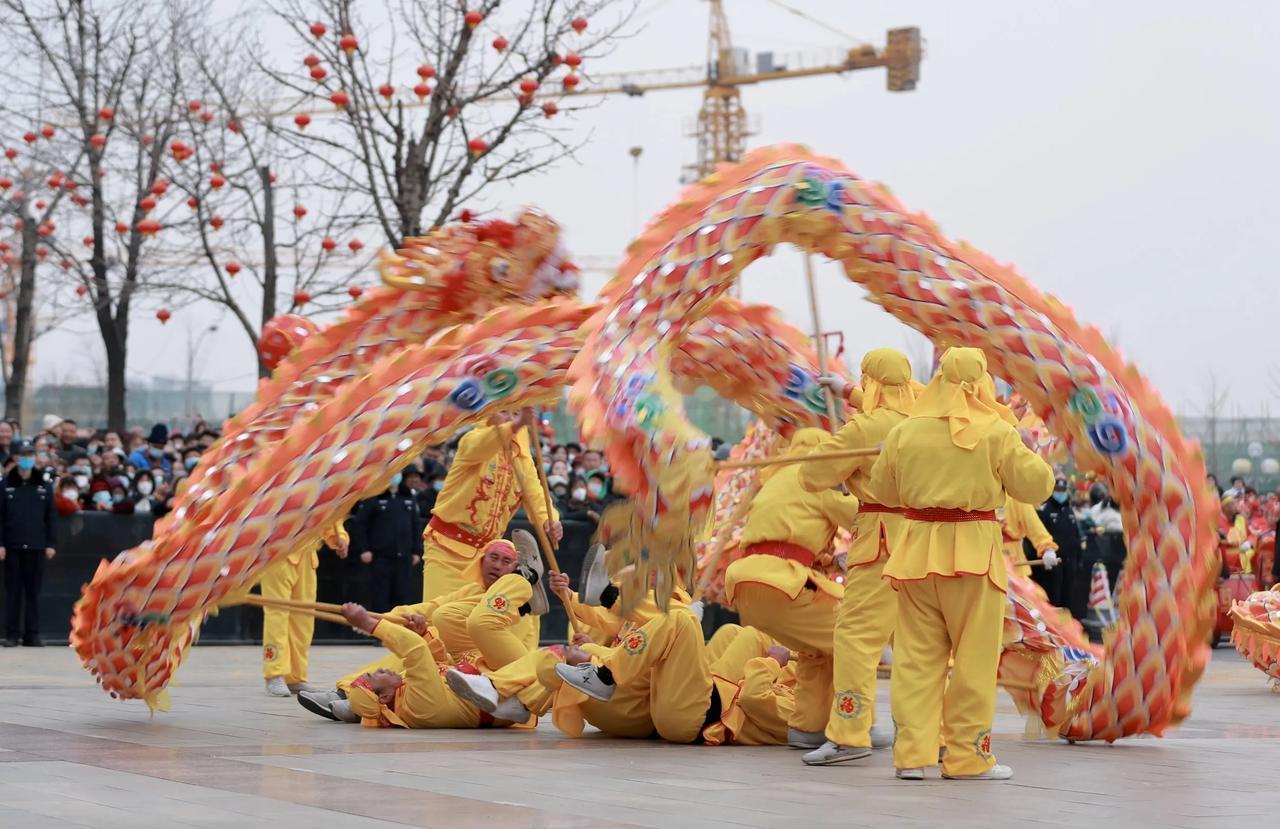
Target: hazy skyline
1119 154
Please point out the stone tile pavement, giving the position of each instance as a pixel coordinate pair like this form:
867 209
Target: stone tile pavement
227 755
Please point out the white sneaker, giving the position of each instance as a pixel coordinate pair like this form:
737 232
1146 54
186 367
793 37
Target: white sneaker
831 753
595 577
996 772
319 702
909 774
511 710
477 690
530 562
299 687
342 710
881 737
276 687
805 739
587 680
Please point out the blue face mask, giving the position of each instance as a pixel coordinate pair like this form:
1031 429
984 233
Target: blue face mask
26 463
1060 497
190 463
102 497
437 485
396 479
155 452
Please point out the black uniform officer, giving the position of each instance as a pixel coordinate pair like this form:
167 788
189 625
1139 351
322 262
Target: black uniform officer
386 535
1066 585
26 540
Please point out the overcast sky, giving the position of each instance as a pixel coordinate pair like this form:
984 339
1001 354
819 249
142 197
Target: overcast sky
1122 155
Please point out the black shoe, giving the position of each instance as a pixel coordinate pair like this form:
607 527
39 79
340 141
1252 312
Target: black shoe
11 643
32 643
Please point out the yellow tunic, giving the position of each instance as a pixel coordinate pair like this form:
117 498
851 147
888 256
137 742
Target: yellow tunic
946 476
424 701
1021 521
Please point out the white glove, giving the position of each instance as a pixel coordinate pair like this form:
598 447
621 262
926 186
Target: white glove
697 608
1246 547
834 382
1050 559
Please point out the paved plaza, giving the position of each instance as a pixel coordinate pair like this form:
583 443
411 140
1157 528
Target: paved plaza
227 755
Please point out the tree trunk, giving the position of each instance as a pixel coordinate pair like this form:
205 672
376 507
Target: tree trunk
269 271
15 388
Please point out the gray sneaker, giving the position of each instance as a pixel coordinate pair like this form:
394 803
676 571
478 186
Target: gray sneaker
595 577
587 680
996 772
477 690
319 702
299 687
276 687
511 710
831 753
909 774
341 709
882 737
530 562
805 739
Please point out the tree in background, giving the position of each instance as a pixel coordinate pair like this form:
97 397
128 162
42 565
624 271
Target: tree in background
480 108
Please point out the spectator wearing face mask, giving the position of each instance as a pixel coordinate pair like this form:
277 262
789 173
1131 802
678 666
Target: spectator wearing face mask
153 454
7 434
67 499
597 482
578 506
121 503
26 542
385 535
190 458
99 495
144 496
1058 517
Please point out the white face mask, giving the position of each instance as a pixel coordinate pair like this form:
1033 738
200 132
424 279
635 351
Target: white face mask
71 494
82 481
580 494
144 487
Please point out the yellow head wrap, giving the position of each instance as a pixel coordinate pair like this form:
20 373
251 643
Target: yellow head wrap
962 392
886 381
366 705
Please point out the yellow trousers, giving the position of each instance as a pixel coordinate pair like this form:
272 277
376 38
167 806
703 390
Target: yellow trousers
446 566
806 625
733 650
663 662
864 624
940 618
286 637
490 624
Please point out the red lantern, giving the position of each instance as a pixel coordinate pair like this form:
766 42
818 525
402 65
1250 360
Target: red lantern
216 182
421 90
549 108
98 141
5 247
147 204
29 137
473 19
148 140
387 91
299 210
232 268
194 106
426 71
465 215
573 60
318 74
477 146
106 113
311 60
234 126
348 43
570 82
81 290
206 116
193 202
122 228
46 229
301 298
318 29
42 253
302 119
163 315
65 264
160 187
79 200
10 153
47 132
215 222
5 183
579 24
528 86
41 204
453 112
88 241
524 100
355 291
340 99
148 227
500 43
328 244
355 245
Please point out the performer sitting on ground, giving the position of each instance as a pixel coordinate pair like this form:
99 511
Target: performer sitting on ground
286 637
950 465
865 621
417 697
594 607
482 491
777 589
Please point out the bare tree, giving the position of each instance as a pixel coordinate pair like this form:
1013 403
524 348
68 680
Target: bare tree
1216 398
480 109
100 71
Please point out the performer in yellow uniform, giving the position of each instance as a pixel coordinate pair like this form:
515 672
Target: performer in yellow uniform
286 637
866 618
950 465
776 588
493 466
1019 521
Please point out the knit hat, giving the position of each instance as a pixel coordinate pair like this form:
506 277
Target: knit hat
159 435
51 422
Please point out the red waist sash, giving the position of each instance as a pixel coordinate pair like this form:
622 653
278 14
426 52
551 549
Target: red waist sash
881 508
781 549
457 533
947 515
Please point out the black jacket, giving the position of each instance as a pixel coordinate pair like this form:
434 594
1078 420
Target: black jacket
1060 521
389 526
26 513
